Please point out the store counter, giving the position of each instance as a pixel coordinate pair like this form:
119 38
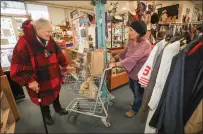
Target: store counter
117 79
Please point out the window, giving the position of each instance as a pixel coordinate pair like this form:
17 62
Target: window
38 11
7 31
13 7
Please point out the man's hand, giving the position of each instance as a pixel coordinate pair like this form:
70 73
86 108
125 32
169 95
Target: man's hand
34 86
71 68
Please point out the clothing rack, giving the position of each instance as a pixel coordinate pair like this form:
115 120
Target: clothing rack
181 23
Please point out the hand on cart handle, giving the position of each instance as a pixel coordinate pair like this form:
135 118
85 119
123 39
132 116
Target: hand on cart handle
71 68
76 64
112 65
34 86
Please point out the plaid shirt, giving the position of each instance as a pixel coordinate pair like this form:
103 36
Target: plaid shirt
30 64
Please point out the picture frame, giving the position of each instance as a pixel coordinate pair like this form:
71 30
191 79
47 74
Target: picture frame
74 14
157 7
195 14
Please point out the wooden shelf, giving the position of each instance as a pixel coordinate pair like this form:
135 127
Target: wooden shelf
74 50
2 93
119 74
118 80
116 50
11 128
4 118
10 113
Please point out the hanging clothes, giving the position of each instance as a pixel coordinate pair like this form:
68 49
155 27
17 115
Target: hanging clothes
145 72
169 52
148 91
194 125
182 92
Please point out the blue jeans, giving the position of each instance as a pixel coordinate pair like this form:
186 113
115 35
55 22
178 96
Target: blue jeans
138 94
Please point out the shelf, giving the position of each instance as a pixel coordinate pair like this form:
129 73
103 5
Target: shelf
118 80
4 119
119 74
11 128
74 50
116 50
2 93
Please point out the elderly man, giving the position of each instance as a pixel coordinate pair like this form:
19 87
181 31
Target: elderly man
36 64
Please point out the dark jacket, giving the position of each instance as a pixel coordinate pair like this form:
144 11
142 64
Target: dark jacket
182 92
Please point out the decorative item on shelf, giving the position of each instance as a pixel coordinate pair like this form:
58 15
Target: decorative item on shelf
157 7
74 14
195 14
186 17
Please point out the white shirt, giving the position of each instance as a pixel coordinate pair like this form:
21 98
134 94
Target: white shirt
169 52
41 42
145 72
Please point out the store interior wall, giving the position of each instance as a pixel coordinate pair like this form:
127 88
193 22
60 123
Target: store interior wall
57 15
183 6
67 13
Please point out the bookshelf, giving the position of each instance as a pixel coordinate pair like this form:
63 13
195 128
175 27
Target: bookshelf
9 111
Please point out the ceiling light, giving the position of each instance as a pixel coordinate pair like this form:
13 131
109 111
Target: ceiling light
124 8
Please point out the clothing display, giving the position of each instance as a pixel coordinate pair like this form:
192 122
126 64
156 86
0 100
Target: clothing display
145 72
149 89
169 52
181 93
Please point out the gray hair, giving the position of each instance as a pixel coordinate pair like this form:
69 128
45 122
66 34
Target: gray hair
41 23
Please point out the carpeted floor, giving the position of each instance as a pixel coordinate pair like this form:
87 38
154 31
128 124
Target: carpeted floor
31 118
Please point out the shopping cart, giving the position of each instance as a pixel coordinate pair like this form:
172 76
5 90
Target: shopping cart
96 106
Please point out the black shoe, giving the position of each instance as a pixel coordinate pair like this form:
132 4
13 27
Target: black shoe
49 120
62 111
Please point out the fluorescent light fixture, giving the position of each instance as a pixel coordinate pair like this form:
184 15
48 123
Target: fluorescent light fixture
124 8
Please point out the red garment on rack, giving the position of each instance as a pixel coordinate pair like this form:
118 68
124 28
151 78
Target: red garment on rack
195 48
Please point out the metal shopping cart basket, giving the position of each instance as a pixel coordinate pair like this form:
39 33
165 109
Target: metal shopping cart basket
97 103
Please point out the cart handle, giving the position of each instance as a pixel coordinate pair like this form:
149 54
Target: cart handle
107 69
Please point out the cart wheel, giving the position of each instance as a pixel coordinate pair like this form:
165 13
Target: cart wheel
111 103
106 123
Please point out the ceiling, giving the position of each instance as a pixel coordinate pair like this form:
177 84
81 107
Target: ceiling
76 4
81 4
86 4
198 3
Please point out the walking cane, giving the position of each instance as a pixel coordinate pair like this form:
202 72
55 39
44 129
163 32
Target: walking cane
40 104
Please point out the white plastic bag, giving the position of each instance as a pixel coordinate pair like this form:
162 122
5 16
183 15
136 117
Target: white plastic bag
5 59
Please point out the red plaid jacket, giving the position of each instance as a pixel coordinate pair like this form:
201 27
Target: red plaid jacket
30 64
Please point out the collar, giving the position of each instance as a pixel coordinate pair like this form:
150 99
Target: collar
46 42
